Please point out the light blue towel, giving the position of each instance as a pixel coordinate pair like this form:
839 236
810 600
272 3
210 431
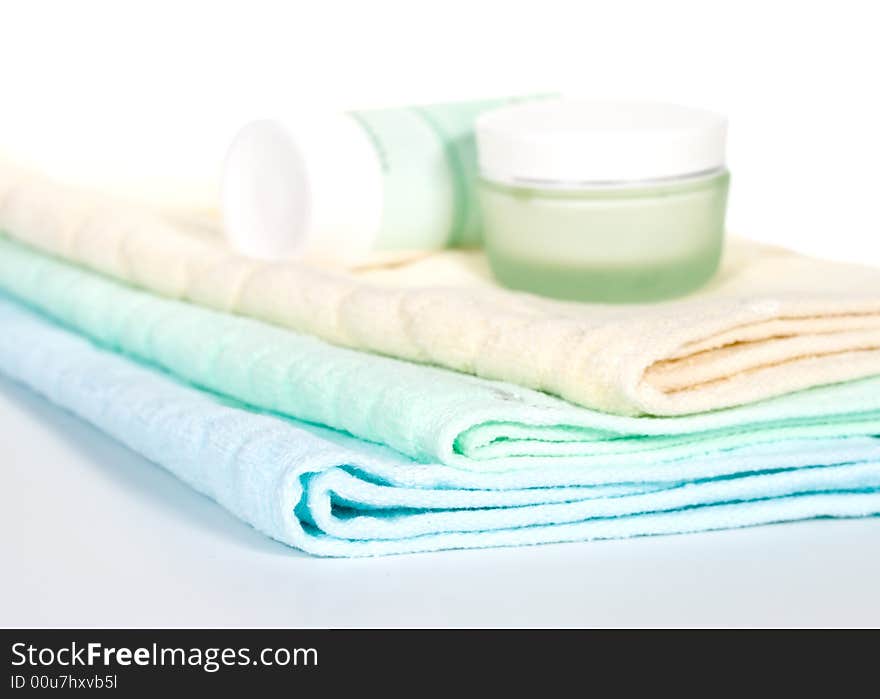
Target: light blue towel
331 494
427 413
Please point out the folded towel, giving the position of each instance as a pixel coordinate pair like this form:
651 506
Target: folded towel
771 322
427 413
333 495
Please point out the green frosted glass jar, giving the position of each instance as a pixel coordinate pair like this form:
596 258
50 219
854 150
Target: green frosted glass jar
603 202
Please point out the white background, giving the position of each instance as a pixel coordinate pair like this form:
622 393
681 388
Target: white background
143 98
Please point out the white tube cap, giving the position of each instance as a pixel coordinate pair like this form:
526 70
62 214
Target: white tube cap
561 142
310 188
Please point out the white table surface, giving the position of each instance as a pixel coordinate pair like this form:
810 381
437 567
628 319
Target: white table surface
94 535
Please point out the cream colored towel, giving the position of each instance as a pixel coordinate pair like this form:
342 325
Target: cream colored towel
770 323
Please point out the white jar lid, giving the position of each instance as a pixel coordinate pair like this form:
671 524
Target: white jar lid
573 143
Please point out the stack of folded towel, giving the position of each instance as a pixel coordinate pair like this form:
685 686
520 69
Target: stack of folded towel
417 406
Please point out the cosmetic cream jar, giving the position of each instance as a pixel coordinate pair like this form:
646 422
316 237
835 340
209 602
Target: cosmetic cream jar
604 202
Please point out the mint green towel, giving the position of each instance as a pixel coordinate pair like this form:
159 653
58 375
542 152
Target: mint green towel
430 414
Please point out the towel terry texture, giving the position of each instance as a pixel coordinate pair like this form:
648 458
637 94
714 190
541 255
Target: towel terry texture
427 413
332 495
772 322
